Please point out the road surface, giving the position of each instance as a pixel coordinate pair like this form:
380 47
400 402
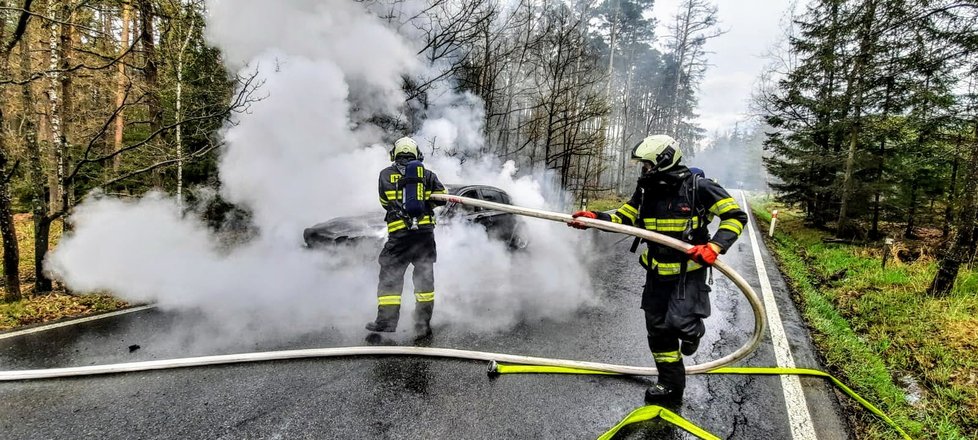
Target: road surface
420 398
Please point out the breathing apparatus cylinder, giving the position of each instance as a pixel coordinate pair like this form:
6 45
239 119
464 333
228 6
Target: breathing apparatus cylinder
413 192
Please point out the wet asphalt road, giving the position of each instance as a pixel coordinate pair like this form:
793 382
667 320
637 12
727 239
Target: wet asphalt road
410 398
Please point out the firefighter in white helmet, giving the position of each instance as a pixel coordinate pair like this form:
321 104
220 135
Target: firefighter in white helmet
405 193
671 200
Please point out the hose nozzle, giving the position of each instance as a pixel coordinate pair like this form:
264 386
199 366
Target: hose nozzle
493 370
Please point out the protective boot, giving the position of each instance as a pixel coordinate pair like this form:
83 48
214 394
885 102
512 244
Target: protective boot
672 383
663 395
422 319
386 319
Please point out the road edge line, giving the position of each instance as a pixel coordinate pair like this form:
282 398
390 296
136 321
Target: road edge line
71 322
799 417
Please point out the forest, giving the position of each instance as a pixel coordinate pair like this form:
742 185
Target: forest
866 118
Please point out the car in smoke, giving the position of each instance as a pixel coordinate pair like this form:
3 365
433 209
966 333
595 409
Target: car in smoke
502 226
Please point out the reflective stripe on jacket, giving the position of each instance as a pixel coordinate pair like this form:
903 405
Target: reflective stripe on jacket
675 211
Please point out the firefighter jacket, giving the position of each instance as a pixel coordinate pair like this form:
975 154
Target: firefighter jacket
391 196
679 205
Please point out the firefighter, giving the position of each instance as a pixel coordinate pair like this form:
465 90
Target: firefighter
410 240
669 199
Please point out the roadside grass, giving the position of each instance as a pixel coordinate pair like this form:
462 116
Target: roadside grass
605 203
36 309
912 354
53 307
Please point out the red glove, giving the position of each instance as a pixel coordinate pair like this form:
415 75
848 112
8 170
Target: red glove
577 214
703 254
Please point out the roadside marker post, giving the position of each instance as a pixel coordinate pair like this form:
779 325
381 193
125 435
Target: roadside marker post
774 219
887 243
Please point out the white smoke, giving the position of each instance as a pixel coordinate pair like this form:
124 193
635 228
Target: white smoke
454 122
146 250
372 56
305 154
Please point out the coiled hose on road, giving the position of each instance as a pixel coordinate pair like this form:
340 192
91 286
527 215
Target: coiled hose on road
740 353
755 302
524 364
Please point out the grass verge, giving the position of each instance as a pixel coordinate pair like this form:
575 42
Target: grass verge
878 331
605 203
37 309
54 307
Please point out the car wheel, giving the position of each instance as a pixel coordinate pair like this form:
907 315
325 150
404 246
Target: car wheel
519 240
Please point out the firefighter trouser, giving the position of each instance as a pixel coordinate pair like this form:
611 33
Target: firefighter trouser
675 307
410 247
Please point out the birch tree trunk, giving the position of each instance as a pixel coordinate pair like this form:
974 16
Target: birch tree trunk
179 113
54 105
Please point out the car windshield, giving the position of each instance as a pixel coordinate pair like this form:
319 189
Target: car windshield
458 207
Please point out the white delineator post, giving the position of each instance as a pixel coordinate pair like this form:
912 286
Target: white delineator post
774 219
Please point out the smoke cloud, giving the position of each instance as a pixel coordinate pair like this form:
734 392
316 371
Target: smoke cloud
306 153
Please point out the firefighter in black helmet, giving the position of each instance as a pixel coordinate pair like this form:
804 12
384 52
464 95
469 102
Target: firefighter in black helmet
411 238
671 200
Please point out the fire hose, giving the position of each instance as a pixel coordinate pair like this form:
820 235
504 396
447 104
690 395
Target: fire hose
713 367
738 354
506 363
739 281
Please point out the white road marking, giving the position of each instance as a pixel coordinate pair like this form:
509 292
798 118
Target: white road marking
799 418
73 322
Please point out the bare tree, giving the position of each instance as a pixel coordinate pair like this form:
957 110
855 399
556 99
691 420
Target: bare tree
187 30
87 162
692 27
11 252
960 251
121 79
39 202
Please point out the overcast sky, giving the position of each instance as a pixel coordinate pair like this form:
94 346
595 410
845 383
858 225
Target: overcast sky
753 28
